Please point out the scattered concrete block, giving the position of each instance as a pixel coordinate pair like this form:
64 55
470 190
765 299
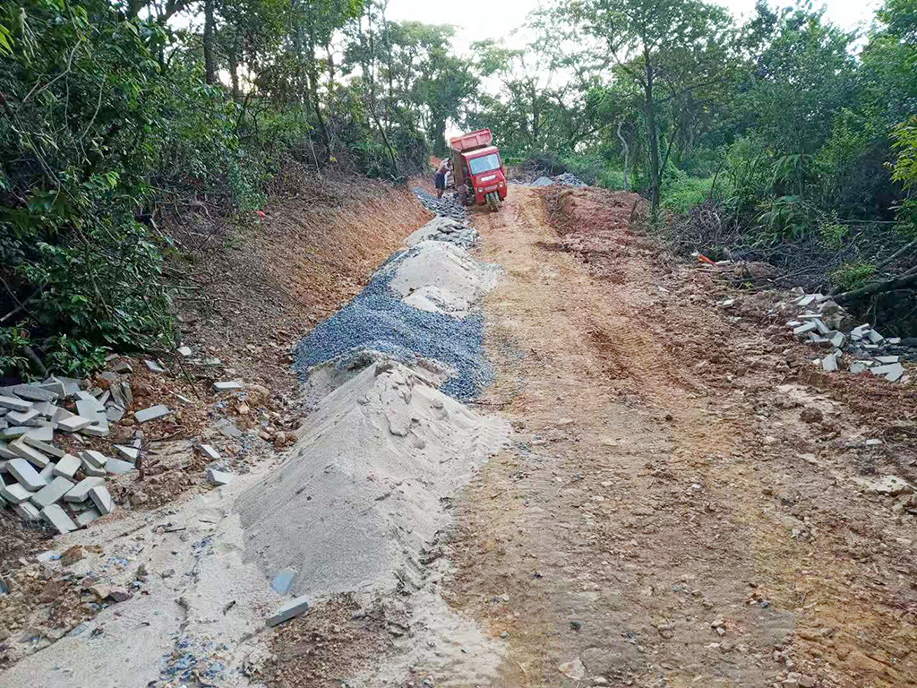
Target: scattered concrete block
71 384
118 466
80 491
43 447
5 452
184 400
807 299
47 473
96 430
805 327
822 328
290 610
127 453
228 386
219 478
890 372
45 433
92 471
52 384
127 393
874 442
283 580
67 466
893 340
114 413
46 409
90 408
34 393
184 351
888 359
859 332
86 517
228 429
73 424
838 339
94 458
22 417
210 452
83 395
100 497
152 413
154 366
30 454
15 493
829 362
874 337
58 518
51 492
106 395
13 433
123 367
15 403
26 475
27 511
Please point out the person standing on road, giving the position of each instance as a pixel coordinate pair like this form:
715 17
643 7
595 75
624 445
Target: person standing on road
440 177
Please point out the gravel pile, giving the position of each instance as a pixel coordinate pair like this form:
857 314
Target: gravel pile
543 181
446 206
569 180
378 319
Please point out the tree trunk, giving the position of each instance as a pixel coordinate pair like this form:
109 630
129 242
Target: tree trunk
651 133
905 280
439 139
626 155
209 59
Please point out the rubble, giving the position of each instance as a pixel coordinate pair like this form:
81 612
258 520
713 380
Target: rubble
152 413
860 349
288 611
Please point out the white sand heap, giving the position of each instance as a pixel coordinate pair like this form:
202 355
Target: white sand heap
359 496
440 277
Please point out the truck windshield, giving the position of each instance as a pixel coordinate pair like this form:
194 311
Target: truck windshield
485 163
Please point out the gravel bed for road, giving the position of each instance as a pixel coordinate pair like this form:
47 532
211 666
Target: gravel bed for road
447 206
378 319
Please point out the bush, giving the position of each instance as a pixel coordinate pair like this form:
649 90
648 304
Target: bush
853 276
99 131
681 192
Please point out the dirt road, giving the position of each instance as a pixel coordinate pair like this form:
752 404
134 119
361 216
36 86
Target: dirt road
665 517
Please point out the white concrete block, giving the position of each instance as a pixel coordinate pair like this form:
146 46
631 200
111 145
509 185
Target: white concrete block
58 518
210 452
15 493
43 447
52 492
127 453
86 517
80 491
26 475
291 609
94 458
67 466
103 501
22 417
219 478
152 413
15 403
27 511
30 454
228 386
73 424
118 466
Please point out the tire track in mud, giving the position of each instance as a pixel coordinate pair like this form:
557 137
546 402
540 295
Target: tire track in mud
631 535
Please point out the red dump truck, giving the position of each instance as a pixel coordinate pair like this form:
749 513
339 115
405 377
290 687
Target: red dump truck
478 169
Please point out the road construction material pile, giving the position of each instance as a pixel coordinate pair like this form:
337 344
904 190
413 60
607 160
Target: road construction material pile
358 500
861 349
447 206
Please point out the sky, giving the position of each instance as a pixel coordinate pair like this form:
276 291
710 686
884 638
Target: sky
480 19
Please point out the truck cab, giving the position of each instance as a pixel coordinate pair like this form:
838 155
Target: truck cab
478 169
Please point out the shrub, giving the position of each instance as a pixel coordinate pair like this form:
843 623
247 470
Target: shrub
853 276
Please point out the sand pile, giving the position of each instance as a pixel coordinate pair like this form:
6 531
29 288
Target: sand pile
445 266
359 496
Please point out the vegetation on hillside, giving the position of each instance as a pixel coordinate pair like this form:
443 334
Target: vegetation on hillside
116 117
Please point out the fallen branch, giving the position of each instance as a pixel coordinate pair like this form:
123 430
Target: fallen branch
878 288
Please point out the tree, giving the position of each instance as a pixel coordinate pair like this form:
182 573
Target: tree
669 48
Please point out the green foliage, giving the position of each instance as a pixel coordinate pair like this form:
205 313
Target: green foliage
905 136
833 234
853 276
682 192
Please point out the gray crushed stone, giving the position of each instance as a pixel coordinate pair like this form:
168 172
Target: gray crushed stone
378 320
447 206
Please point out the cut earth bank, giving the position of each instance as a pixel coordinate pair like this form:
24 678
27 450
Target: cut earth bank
354 507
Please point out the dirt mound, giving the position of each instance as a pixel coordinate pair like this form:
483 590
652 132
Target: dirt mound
358 499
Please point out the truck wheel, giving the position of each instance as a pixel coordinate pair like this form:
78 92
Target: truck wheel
493 201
